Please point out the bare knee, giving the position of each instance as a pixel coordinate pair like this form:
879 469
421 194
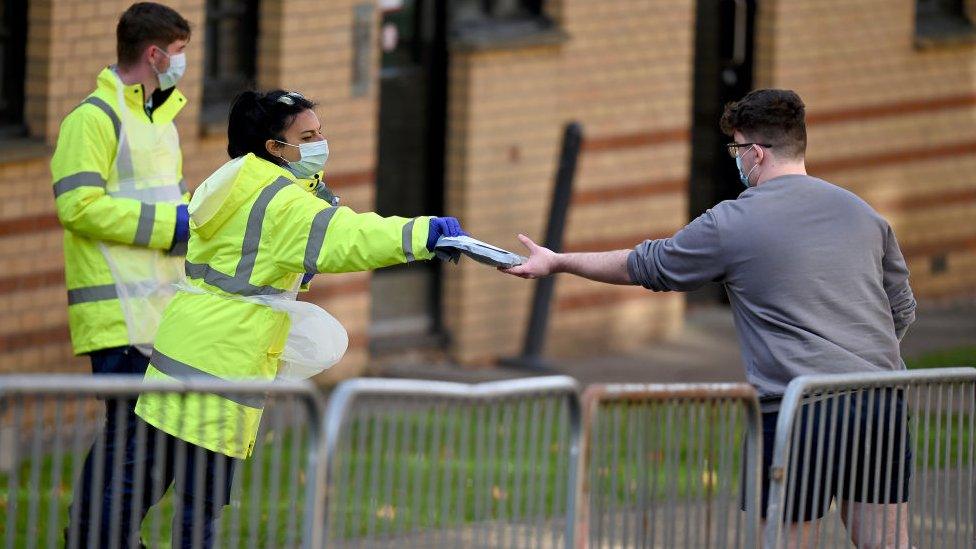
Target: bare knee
876 526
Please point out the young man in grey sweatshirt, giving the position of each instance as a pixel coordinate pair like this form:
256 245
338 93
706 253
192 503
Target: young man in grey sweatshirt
815 278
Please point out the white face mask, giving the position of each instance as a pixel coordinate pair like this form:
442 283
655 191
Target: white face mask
172 75
314 155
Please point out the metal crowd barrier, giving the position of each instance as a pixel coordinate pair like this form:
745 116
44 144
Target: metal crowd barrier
899 445
420 463
670 465
49 424
411 463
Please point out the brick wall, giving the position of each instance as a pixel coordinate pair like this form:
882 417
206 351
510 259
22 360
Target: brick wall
69 42
625 74
893 122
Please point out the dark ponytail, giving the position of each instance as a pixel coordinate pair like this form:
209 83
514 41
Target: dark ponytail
256 117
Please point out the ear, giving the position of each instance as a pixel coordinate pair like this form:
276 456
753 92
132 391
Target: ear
760 154
151 55
272 146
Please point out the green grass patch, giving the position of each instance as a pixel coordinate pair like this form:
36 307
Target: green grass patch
441 468
959 356
947 442
435 467
665 453
272 491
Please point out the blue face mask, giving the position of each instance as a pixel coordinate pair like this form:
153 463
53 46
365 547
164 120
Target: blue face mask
744 177
313 158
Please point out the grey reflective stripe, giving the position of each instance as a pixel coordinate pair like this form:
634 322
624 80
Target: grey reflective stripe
240 283
164 193
80 179
408 240
182 185
123 159
92 293
147 218
316 237
101 104
180 370
227 283
177 250
255 224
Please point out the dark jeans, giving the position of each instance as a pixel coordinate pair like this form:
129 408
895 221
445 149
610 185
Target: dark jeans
130 466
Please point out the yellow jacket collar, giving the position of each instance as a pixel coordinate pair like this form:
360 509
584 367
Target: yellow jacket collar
223 193
135 100
311 183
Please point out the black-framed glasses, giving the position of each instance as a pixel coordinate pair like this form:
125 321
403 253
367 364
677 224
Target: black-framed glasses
733 148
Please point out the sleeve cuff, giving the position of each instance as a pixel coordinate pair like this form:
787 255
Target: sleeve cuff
635 270
164 226
421 228
632 267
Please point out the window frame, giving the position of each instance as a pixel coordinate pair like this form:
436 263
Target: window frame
489 13
219 90
477 25
942 21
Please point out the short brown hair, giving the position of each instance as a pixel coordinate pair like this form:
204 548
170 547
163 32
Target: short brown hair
146 23
769 116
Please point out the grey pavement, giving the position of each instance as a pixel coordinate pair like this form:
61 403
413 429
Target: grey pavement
706 350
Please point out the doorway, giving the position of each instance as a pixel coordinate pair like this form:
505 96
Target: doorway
724 52
410 165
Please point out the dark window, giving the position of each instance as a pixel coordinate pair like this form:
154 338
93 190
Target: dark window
499 9
942 19
13 54
467 13
230 53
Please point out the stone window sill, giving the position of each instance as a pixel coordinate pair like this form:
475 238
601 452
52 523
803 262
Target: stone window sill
507 35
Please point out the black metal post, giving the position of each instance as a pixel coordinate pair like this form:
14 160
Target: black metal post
535 336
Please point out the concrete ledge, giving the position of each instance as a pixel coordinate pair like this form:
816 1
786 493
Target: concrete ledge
507 35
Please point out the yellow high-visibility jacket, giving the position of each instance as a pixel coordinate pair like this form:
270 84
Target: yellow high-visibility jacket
103 187
256 236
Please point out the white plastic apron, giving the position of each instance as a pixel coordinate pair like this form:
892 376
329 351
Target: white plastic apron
316 340
145 278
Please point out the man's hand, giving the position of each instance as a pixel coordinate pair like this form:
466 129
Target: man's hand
541 262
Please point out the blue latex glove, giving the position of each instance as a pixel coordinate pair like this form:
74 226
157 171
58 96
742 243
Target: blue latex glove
306 278
182 232
443 226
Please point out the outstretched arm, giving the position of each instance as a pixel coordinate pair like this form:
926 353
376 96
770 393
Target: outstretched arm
609 267
686 261
312 236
